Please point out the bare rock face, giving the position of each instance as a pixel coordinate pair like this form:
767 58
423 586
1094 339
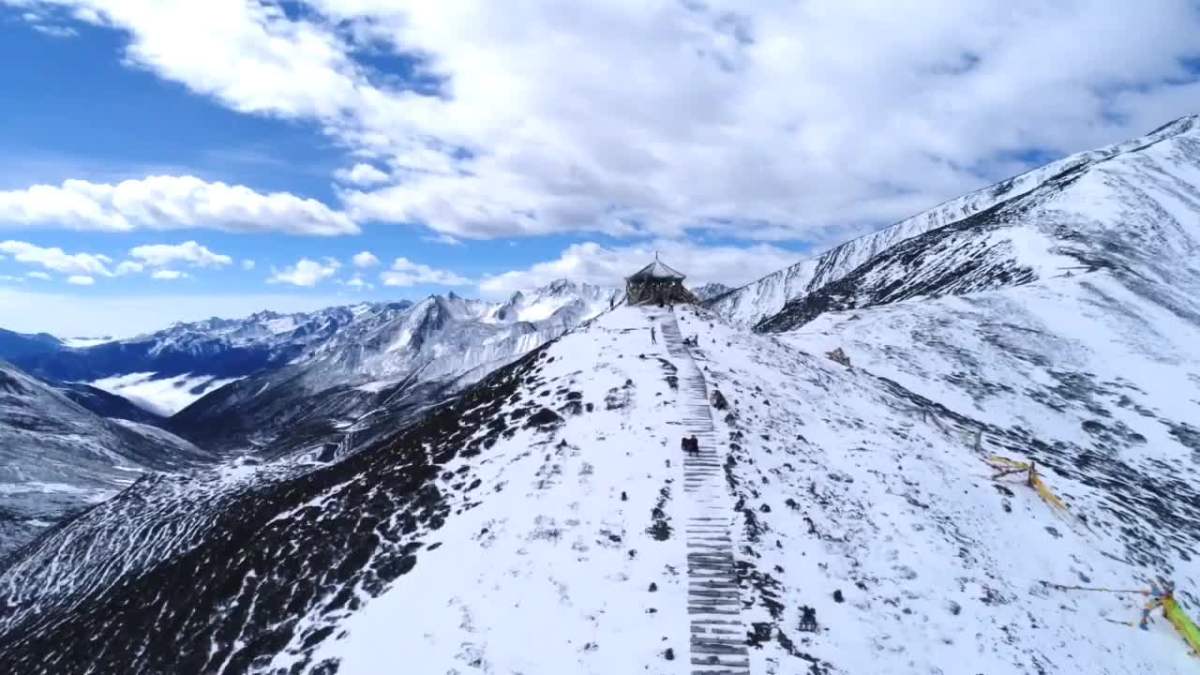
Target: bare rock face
838 356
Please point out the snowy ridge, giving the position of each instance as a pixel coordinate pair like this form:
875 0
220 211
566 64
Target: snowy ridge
763 298
1135 215
710 291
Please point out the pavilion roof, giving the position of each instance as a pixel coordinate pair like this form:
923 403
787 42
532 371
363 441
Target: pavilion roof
657 270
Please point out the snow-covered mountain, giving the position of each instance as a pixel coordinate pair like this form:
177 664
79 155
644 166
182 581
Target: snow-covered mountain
403 357
838 513
58 457
167 370
763 298
710 291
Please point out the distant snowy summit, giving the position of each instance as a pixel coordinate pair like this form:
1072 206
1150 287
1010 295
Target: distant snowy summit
168 370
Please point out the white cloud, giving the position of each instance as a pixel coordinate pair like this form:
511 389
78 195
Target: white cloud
595 264
365 259
247 264
80 280
57 260
129 267
168 275
189 253
168 203
443 239
359 284
405 272
54 31
756 119
38 275
305 272
362 175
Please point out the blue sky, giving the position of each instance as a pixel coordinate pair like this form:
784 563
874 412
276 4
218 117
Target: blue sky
256 148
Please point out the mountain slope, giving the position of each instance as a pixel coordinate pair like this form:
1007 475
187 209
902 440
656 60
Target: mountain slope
17 345
1135 215
766 297
58 457
841 492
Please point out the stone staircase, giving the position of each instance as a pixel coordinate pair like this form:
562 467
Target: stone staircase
718 642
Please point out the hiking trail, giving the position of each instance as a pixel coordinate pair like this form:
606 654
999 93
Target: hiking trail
718 634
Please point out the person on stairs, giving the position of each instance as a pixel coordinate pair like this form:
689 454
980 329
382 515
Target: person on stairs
690 446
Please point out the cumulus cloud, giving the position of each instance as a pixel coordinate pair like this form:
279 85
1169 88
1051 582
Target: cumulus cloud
305 272
168 275
365 259
168 203
188 253
604 266
42 276
80 280
405 272
247 264
756 119
362 175
127 267
56 260
358 283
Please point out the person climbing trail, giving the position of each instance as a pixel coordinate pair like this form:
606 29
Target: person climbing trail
653 338
690 446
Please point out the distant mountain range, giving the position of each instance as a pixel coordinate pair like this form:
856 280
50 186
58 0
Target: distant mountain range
265 386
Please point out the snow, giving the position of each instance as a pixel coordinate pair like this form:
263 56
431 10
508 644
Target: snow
281 325
554 543
540 311
162 395
376 386
893 509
